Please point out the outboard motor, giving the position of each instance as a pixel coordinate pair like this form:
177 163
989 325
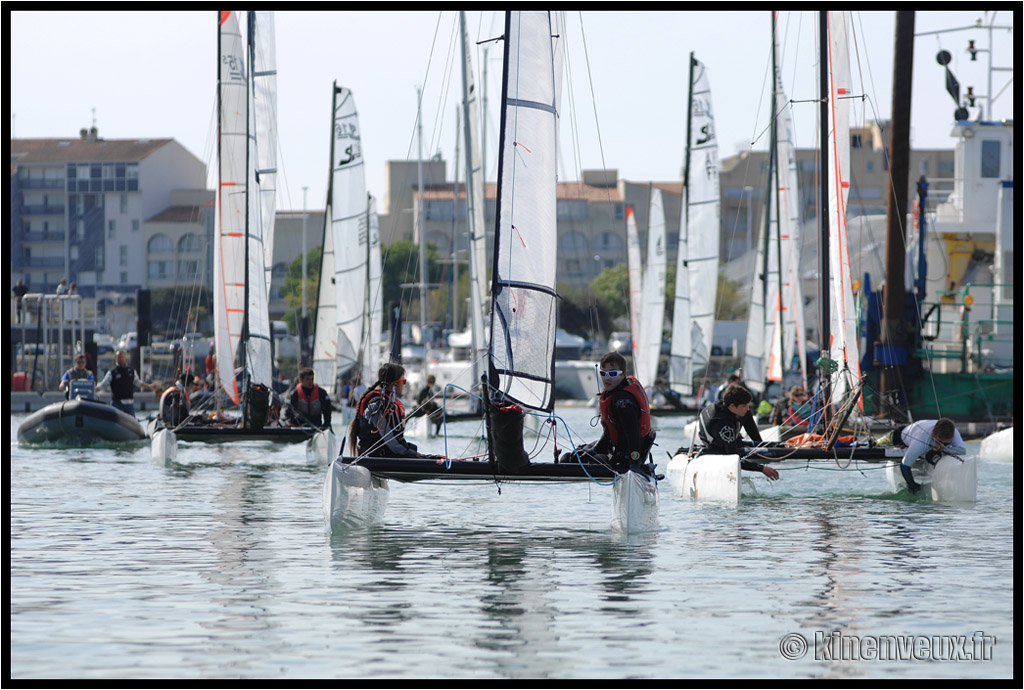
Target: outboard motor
257 409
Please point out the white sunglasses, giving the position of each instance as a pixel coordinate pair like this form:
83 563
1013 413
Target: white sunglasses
611 372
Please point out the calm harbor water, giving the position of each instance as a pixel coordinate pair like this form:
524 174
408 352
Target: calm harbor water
218 566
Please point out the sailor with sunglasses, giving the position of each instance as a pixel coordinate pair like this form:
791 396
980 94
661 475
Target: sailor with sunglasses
625 416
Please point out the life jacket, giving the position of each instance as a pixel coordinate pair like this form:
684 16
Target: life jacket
122 383
74 373
309 405
368 434
174 406
633 388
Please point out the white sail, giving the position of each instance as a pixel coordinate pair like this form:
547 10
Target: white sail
652 311
264 80
697 262
349 228
522 343
475 205
844 346
374 300
634 271
240 291
325 330
791 237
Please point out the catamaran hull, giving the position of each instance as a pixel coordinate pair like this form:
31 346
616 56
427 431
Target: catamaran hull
353 497
323 448
79 422
705 477
164 447
950 479
635 503
421 469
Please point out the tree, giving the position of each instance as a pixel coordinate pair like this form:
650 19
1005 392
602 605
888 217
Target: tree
291 287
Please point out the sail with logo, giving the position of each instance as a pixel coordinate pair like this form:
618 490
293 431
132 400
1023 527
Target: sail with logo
693 316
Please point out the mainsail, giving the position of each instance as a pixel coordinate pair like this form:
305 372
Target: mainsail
264 79
844 346
522 344
371 359
693 317
241 320
636 277
475 205
652 310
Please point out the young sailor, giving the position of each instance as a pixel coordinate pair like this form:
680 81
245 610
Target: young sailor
928 440
378 429
309 404
720 428
625 416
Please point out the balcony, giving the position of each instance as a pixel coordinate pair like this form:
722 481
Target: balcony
41 184
50 210
42 262
42 237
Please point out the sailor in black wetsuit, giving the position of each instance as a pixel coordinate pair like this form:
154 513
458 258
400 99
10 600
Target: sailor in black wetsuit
720 428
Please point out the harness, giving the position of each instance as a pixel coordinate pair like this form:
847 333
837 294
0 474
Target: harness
634 389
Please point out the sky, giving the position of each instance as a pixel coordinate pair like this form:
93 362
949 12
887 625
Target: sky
151 74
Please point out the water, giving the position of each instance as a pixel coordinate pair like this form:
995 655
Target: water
218 566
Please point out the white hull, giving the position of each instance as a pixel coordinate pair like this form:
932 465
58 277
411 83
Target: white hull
323 448
164 447
353 497
950 479
575 380
998 447
635 503
705 478
420 428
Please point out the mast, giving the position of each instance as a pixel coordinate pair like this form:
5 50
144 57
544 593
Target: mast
896 335
419 216
823 221
251 28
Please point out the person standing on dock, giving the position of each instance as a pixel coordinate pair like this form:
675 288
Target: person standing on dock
123 383
720 426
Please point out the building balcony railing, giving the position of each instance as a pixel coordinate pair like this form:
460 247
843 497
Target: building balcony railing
41 184
39 210
42 237
42 262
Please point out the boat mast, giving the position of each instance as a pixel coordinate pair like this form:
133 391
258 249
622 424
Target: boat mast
419 216
896 336
824 334
244 338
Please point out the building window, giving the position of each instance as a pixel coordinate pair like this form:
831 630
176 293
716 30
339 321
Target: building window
924 166
111 228
990 159
124 204
124 278
946 168
124 256
572 242
190 243
610 240
99 258
188 270
135 224
855 141
160 244
159 269
869 166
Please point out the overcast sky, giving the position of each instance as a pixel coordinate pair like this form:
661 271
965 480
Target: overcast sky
152 74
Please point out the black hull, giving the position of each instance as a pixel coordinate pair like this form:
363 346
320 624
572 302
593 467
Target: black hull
78 422
673 411
224 434
782 454
421 469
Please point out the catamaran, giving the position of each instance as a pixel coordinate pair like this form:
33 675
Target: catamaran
718 477
245 204
522 338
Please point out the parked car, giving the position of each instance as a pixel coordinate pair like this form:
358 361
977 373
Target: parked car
128 342
620 342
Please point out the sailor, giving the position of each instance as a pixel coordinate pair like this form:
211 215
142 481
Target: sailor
175 402
123 384
733 380
75 373
664 396
426 403
377 429
625 416
788 408
309 404
928 440
720 428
